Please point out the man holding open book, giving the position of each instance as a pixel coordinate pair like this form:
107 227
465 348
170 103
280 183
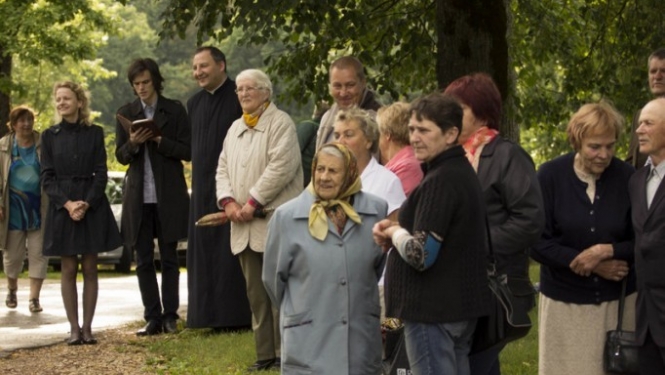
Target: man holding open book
153 137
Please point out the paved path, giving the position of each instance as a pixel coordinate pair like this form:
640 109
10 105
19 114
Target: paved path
118 303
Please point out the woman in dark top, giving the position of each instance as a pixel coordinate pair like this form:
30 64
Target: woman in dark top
79 220
436 280
510 188
586 249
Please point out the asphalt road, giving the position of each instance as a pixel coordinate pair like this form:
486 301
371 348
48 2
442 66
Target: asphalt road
118 303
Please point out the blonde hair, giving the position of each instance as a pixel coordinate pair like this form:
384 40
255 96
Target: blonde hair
81 95
594 118
393 120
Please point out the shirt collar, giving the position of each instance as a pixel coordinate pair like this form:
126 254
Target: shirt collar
212 92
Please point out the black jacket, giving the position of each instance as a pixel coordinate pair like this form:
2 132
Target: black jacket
514 203
166 159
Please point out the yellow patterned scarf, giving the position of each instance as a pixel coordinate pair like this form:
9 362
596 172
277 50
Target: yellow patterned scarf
251 119
321 210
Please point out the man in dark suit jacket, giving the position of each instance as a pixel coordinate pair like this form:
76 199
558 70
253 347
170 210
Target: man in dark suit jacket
155 201
647 196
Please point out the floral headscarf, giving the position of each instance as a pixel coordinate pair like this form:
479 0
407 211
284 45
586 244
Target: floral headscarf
337 209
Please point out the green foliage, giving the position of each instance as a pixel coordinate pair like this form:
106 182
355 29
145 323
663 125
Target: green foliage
571 52
49 31
394 39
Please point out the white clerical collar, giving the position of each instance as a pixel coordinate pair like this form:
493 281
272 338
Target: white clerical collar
212 92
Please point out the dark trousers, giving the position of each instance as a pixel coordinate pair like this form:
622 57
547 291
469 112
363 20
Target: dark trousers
486 362
652 357
145 268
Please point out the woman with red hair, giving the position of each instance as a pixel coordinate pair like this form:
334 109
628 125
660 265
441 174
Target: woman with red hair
508 179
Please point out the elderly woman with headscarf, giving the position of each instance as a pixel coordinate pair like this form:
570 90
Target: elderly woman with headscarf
259 167
321 267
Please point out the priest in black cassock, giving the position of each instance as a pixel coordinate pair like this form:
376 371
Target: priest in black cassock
216 286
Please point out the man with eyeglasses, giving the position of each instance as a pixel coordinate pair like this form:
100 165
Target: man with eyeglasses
216 285
348 87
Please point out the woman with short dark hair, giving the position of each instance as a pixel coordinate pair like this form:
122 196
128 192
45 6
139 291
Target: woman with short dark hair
436 280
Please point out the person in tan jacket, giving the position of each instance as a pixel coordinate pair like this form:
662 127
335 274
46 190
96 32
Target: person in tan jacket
259 169
22 206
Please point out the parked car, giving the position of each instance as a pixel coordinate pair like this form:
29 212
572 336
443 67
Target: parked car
114 191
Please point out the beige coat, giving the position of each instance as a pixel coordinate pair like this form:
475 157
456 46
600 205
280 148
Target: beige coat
263 162
6 143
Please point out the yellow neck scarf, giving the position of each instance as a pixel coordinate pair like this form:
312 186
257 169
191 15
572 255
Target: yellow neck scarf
318 219
251 119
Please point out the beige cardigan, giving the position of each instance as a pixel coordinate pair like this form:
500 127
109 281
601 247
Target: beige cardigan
6 143
263 162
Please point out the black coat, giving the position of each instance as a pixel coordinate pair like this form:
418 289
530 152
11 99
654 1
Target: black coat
514 204
73 164
649 226
166 159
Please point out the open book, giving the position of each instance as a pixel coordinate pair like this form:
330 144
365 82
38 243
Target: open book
131 126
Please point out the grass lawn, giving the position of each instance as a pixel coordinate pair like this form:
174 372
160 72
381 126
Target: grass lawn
204 352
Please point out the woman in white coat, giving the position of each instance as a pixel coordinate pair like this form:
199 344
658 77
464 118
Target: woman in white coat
321 268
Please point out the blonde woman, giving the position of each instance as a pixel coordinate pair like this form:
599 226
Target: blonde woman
79 220
586 249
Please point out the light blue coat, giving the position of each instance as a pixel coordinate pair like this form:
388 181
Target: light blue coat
326 291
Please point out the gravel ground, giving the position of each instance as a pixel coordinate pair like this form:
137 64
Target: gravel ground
118 352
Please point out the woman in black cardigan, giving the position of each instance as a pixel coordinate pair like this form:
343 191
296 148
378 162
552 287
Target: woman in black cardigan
436 280
586 249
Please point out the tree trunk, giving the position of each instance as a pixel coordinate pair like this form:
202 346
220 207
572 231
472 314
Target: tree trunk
472 36
5 89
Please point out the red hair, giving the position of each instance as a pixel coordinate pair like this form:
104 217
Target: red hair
479 92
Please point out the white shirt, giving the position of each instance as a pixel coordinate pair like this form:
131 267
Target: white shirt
380 181
653 181
149 191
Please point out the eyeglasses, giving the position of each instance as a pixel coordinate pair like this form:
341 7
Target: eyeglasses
348 86
248 90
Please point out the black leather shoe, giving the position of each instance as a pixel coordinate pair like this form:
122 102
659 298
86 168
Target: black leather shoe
277 365
261 365
152 328
170 326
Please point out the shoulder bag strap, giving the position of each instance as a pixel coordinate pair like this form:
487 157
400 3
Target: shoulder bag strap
622 301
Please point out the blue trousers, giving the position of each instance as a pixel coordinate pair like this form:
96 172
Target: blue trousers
436 349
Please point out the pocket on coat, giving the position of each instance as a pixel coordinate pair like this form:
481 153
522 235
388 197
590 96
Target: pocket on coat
297 348
295 370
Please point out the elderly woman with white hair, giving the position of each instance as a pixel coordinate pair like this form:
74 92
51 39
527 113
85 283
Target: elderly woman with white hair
259 167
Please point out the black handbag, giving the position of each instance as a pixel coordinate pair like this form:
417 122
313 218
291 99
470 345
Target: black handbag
620 353
395 360
512 299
